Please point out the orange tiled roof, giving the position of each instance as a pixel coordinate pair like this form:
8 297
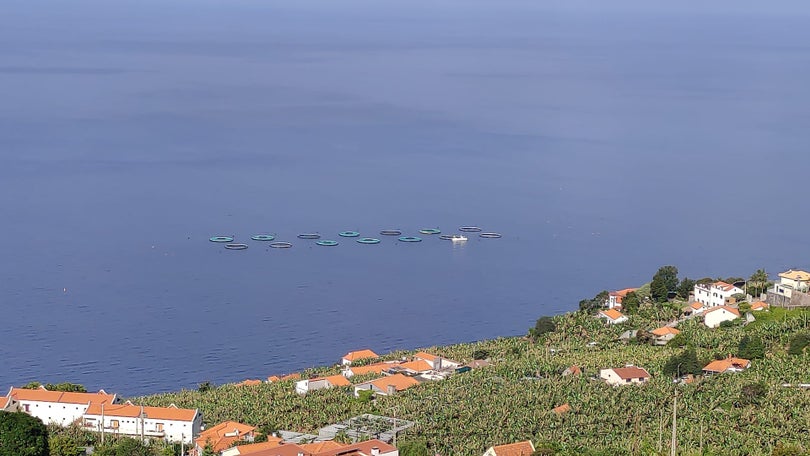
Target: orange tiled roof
293 376
43 395
217 436
797 274
360 354
273 378
320 447
613 314
129 410
664 330
696 305
631 372
375 368
574 370
561 409
272 442
248 382
759 305
525 448
399 381
727 308
335 380
425 356
417 365
723 365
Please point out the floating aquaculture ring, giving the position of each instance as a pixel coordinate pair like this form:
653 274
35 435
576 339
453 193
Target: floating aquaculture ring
490 235
410 239
221 239
327 243
280 245
368 241
446 237
349 234
391 232
263 237
470 229
309 236
430 231
236 246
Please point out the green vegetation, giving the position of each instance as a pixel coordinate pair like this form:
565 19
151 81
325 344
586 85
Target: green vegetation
664 281
66 387
747 413
22 435
543 326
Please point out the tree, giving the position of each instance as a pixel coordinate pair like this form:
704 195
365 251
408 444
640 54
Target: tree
751 393
204 387
66 387
480 354
686 287
685 362
788 450
798 343
125 446
598 301
414 448
32 385
630 303
63 445
664 281
757 283
22 435
544 325
751 347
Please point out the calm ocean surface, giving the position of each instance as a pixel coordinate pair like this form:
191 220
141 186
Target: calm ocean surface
602 141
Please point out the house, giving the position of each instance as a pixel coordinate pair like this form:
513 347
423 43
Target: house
791 290
572 370
167 423
478 363
354 356
312 384
612 316
759 306
628 335
729 364
415 367
7 404
716 315
695 308
614 299
276 378
525 448
251 448
437 363
386 386
365 448
248 382
376 368
223 436
624 375
664 334
58 407
715 294
562 409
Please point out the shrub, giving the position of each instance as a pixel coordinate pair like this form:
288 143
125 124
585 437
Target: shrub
798 343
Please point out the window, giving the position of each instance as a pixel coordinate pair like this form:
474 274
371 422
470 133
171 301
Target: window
627 380
159 427
114 424
26 407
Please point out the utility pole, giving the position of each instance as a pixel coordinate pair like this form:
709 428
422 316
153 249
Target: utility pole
143 431
674 423
102 424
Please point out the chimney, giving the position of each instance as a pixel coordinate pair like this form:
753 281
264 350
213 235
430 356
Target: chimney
392 390
437 364
375 451
300 453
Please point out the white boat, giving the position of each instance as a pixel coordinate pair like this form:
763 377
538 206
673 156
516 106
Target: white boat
458 238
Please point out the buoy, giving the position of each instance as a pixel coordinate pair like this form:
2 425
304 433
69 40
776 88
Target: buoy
490 235
221 239
367 240
280 245
470 229
327 243
309 236
263 237
410 239
349 234
430 231
236 246
391 232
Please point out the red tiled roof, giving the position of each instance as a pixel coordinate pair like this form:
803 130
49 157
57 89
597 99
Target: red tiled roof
425 356
559 410
131 411
613 314
248 382
525 448
360 354
43 395
272 442
375 368
723 365
417 365
629 372
664 330
398 381
727 308
217 438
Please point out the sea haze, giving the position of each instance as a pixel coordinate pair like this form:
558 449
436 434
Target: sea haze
603 139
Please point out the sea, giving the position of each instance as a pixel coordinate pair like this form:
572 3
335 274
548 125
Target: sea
602 140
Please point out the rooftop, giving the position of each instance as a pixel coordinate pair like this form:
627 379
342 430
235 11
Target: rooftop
525 448
129 410
629 372
797 274
360 354
43 395
726 308
613 314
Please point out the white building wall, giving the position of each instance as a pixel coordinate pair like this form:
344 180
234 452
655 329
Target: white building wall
613 379
714 296
715 317
170 430
53 412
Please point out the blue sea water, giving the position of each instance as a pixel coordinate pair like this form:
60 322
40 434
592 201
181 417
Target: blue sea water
603 139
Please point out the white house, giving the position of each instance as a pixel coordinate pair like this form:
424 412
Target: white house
715 294
223 436
58 407
664 334
612 316
7 404
624 375
167 423
354 356
696 308
436 362
386 386
525 448
759 306
716 315
312 384
791 280
729 364
615 298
